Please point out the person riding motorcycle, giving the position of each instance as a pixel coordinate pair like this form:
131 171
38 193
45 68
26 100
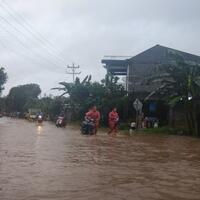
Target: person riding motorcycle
94 115
87 127
40 117
61 122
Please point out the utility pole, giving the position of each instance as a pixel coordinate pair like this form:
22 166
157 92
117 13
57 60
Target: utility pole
73 69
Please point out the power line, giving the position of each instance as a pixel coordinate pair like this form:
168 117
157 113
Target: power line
11 50
11 25
29 25
20 53
19 31
36 35
29 28
73 69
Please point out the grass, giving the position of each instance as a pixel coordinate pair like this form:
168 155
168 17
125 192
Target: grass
161 130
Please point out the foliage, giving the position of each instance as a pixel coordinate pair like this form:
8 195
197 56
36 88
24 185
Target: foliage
2 104
56 107
21 97
3 78
76 98
83 94
179 84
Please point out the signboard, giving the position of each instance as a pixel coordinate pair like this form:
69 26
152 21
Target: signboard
137 104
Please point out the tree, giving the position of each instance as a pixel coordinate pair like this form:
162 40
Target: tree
3 78
57 106
83 94
2 104
180 84
20 97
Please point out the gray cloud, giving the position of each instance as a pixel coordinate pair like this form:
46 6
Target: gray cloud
83 31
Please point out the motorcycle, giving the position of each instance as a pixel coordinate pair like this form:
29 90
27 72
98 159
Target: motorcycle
60 122
87 127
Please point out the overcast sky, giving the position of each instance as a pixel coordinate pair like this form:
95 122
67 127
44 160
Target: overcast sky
39 38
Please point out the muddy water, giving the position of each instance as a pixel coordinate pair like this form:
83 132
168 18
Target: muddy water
49 163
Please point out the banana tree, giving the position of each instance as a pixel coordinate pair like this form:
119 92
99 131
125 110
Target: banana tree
77 92
180 83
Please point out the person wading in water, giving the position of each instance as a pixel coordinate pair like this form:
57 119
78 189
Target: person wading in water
113 119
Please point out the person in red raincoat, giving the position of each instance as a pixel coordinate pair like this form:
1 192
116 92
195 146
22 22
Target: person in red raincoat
113 119
94 114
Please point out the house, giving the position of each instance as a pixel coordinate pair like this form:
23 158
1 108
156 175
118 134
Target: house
140 67
137 68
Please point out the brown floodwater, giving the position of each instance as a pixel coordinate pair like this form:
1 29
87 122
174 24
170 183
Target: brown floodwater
49 163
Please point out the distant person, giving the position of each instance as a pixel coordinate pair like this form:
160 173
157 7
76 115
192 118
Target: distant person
94 115
113 119
140 120
132 127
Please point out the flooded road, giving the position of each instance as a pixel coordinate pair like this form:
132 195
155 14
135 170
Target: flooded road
49 163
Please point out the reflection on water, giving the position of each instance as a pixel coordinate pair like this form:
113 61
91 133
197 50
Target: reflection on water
45 162
39 129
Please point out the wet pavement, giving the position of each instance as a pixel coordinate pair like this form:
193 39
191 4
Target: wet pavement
49 163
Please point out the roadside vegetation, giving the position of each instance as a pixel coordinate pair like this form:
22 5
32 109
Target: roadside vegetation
179 85
75 98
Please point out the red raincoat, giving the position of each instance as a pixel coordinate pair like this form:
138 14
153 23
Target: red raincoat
94 115
113 119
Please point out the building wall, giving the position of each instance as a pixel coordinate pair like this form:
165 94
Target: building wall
137 76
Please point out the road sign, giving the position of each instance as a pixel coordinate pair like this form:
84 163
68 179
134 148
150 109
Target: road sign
137 104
